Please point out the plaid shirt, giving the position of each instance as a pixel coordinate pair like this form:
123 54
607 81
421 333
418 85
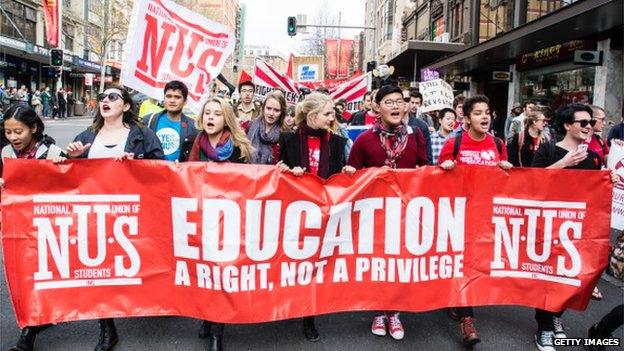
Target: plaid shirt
437 141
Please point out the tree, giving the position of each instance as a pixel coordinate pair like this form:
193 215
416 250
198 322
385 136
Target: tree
113 17
314 43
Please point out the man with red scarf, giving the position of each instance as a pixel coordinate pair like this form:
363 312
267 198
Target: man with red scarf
389 143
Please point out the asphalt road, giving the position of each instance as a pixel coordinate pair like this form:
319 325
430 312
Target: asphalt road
501 328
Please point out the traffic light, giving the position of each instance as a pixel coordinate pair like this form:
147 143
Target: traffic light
292 26
56 57
58 71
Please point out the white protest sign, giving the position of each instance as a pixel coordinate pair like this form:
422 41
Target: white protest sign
437 94
169 42
616 162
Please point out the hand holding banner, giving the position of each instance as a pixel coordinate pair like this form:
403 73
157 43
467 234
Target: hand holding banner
169 42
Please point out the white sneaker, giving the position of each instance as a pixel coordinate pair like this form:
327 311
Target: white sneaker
544 340
396 327
559 332
379 325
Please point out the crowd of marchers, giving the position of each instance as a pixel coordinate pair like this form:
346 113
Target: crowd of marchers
312 137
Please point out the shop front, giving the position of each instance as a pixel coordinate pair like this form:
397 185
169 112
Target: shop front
552 78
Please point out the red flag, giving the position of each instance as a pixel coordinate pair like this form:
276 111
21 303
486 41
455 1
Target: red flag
244 77
51 13
289 71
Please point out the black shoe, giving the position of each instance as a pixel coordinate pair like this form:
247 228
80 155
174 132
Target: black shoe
215 343
27 338
594 333
309 329
204 330
108 335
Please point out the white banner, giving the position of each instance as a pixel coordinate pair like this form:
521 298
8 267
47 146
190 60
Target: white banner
267 78
169 42
437 94
353 91
616 162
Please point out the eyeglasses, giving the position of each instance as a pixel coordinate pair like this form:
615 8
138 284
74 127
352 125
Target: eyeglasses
586 122
390 103
112 97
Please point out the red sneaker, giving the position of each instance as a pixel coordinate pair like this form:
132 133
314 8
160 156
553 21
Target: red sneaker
395 327
379 325
469 332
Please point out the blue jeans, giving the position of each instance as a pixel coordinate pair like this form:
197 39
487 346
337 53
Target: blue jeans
46 109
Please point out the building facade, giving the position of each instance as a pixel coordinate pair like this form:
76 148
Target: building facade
25 52
271 56
550 51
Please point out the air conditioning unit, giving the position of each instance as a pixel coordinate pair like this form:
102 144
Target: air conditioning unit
587 57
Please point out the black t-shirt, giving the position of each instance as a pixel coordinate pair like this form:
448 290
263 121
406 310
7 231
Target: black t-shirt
549 153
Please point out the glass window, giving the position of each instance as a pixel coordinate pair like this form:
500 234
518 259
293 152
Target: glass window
555 89
496 18
539 8
457 14
390 22
23 17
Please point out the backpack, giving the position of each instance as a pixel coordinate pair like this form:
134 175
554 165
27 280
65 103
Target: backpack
616 258
457 144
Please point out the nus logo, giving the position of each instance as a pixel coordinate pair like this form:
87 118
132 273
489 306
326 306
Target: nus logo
85 240
535 239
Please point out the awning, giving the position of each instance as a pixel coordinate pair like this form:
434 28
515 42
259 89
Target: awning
417 54
579 20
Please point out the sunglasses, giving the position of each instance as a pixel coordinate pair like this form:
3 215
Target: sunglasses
112 97
586 122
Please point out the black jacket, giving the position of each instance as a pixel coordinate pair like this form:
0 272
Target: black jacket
142 142
189 132
357 119
289 146
526 153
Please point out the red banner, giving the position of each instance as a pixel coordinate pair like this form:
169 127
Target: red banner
98 238
344 50
331 57
51 14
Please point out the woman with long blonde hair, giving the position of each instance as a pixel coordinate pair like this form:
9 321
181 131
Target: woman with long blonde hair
221 138
313 148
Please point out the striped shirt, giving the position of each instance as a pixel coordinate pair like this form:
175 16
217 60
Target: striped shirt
437 141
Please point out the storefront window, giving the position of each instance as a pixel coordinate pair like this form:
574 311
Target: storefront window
555 89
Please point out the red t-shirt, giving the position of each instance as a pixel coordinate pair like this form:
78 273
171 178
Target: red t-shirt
346 115
594 145
314 153
472 152
369 120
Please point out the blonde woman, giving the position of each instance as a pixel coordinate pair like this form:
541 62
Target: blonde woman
221 138
315 149
524 144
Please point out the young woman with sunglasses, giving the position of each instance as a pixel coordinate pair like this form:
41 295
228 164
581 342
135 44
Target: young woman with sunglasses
115 133
221 140
574 122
